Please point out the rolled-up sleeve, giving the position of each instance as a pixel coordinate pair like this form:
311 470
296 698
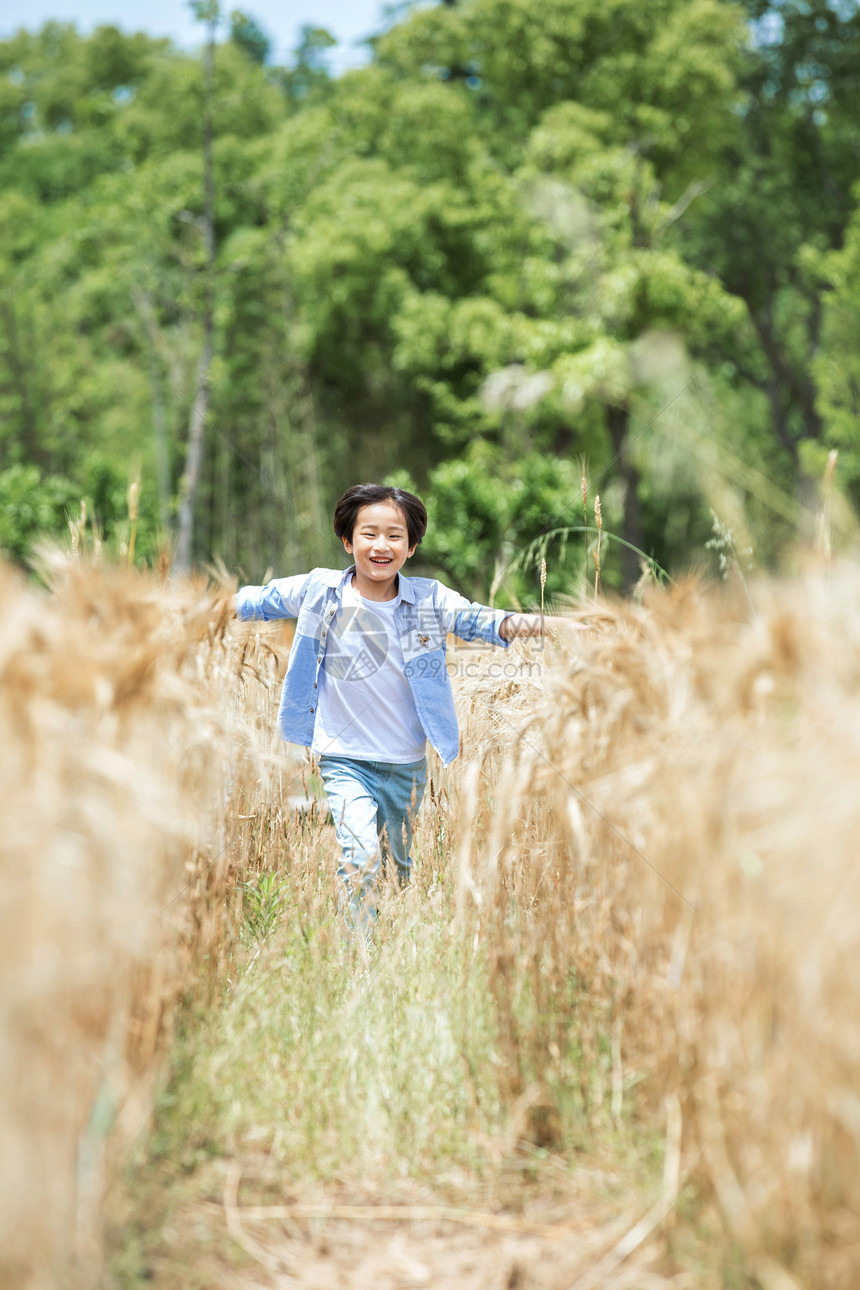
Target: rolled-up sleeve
471 620
280 598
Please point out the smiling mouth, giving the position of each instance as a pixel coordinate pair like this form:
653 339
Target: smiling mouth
379 559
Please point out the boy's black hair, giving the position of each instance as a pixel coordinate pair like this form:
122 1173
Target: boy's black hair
346 511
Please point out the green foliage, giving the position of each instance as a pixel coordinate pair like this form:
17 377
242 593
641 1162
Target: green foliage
32 506
246 32
263 905
308 79
36 506
511 239
783 199
297 1010
837 363
484 514
662 73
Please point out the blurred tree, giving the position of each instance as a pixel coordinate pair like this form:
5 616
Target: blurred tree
246 32
102 288
485 512
588 264
61 99
784 196
511 239
208 12
32 507
836 365
644 312
307 78
664 72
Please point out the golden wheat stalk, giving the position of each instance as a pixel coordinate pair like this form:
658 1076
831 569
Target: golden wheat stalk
133 499
598 519
583 488
825 518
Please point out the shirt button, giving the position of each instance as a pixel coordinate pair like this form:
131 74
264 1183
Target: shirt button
311 709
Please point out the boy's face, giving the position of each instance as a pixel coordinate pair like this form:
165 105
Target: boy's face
380 542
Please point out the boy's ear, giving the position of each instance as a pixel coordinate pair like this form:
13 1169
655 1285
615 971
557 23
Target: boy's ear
411 552
347 545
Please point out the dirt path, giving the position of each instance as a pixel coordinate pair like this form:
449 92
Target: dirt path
342 1241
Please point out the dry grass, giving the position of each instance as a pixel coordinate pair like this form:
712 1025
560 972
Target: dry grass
636 906
128 753
671 862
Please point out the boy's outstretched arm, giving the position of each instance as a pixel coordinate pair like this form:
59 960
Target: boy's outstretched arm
536 625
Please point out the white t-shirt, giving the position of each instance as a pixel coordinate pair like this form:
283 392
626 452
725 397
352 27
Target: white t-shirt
365 708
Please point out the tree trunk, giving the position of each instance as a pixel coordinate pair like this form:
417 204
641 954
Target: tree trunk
618 421
788 385
149 320
197 421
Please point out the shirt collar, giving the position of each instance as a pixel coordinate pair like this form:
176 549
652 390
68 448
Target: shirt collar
404 585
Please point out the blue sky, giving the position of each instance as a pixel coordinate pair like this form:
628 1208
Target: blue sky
348 20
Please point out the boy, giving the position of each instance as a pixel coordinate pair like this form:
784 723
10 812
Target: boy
367 684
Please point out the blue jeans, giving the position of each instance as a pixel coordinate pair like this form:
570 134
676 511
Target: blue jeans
373 805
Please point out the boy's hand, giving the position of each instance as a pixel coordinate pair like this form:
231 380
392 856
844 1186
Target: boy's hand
524 625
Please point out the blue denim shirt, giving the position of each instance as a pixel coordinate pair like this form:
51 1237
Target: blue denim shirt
427 613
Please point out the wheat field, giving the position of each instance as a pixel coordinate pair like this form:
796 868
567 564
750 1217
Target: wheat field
627 951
